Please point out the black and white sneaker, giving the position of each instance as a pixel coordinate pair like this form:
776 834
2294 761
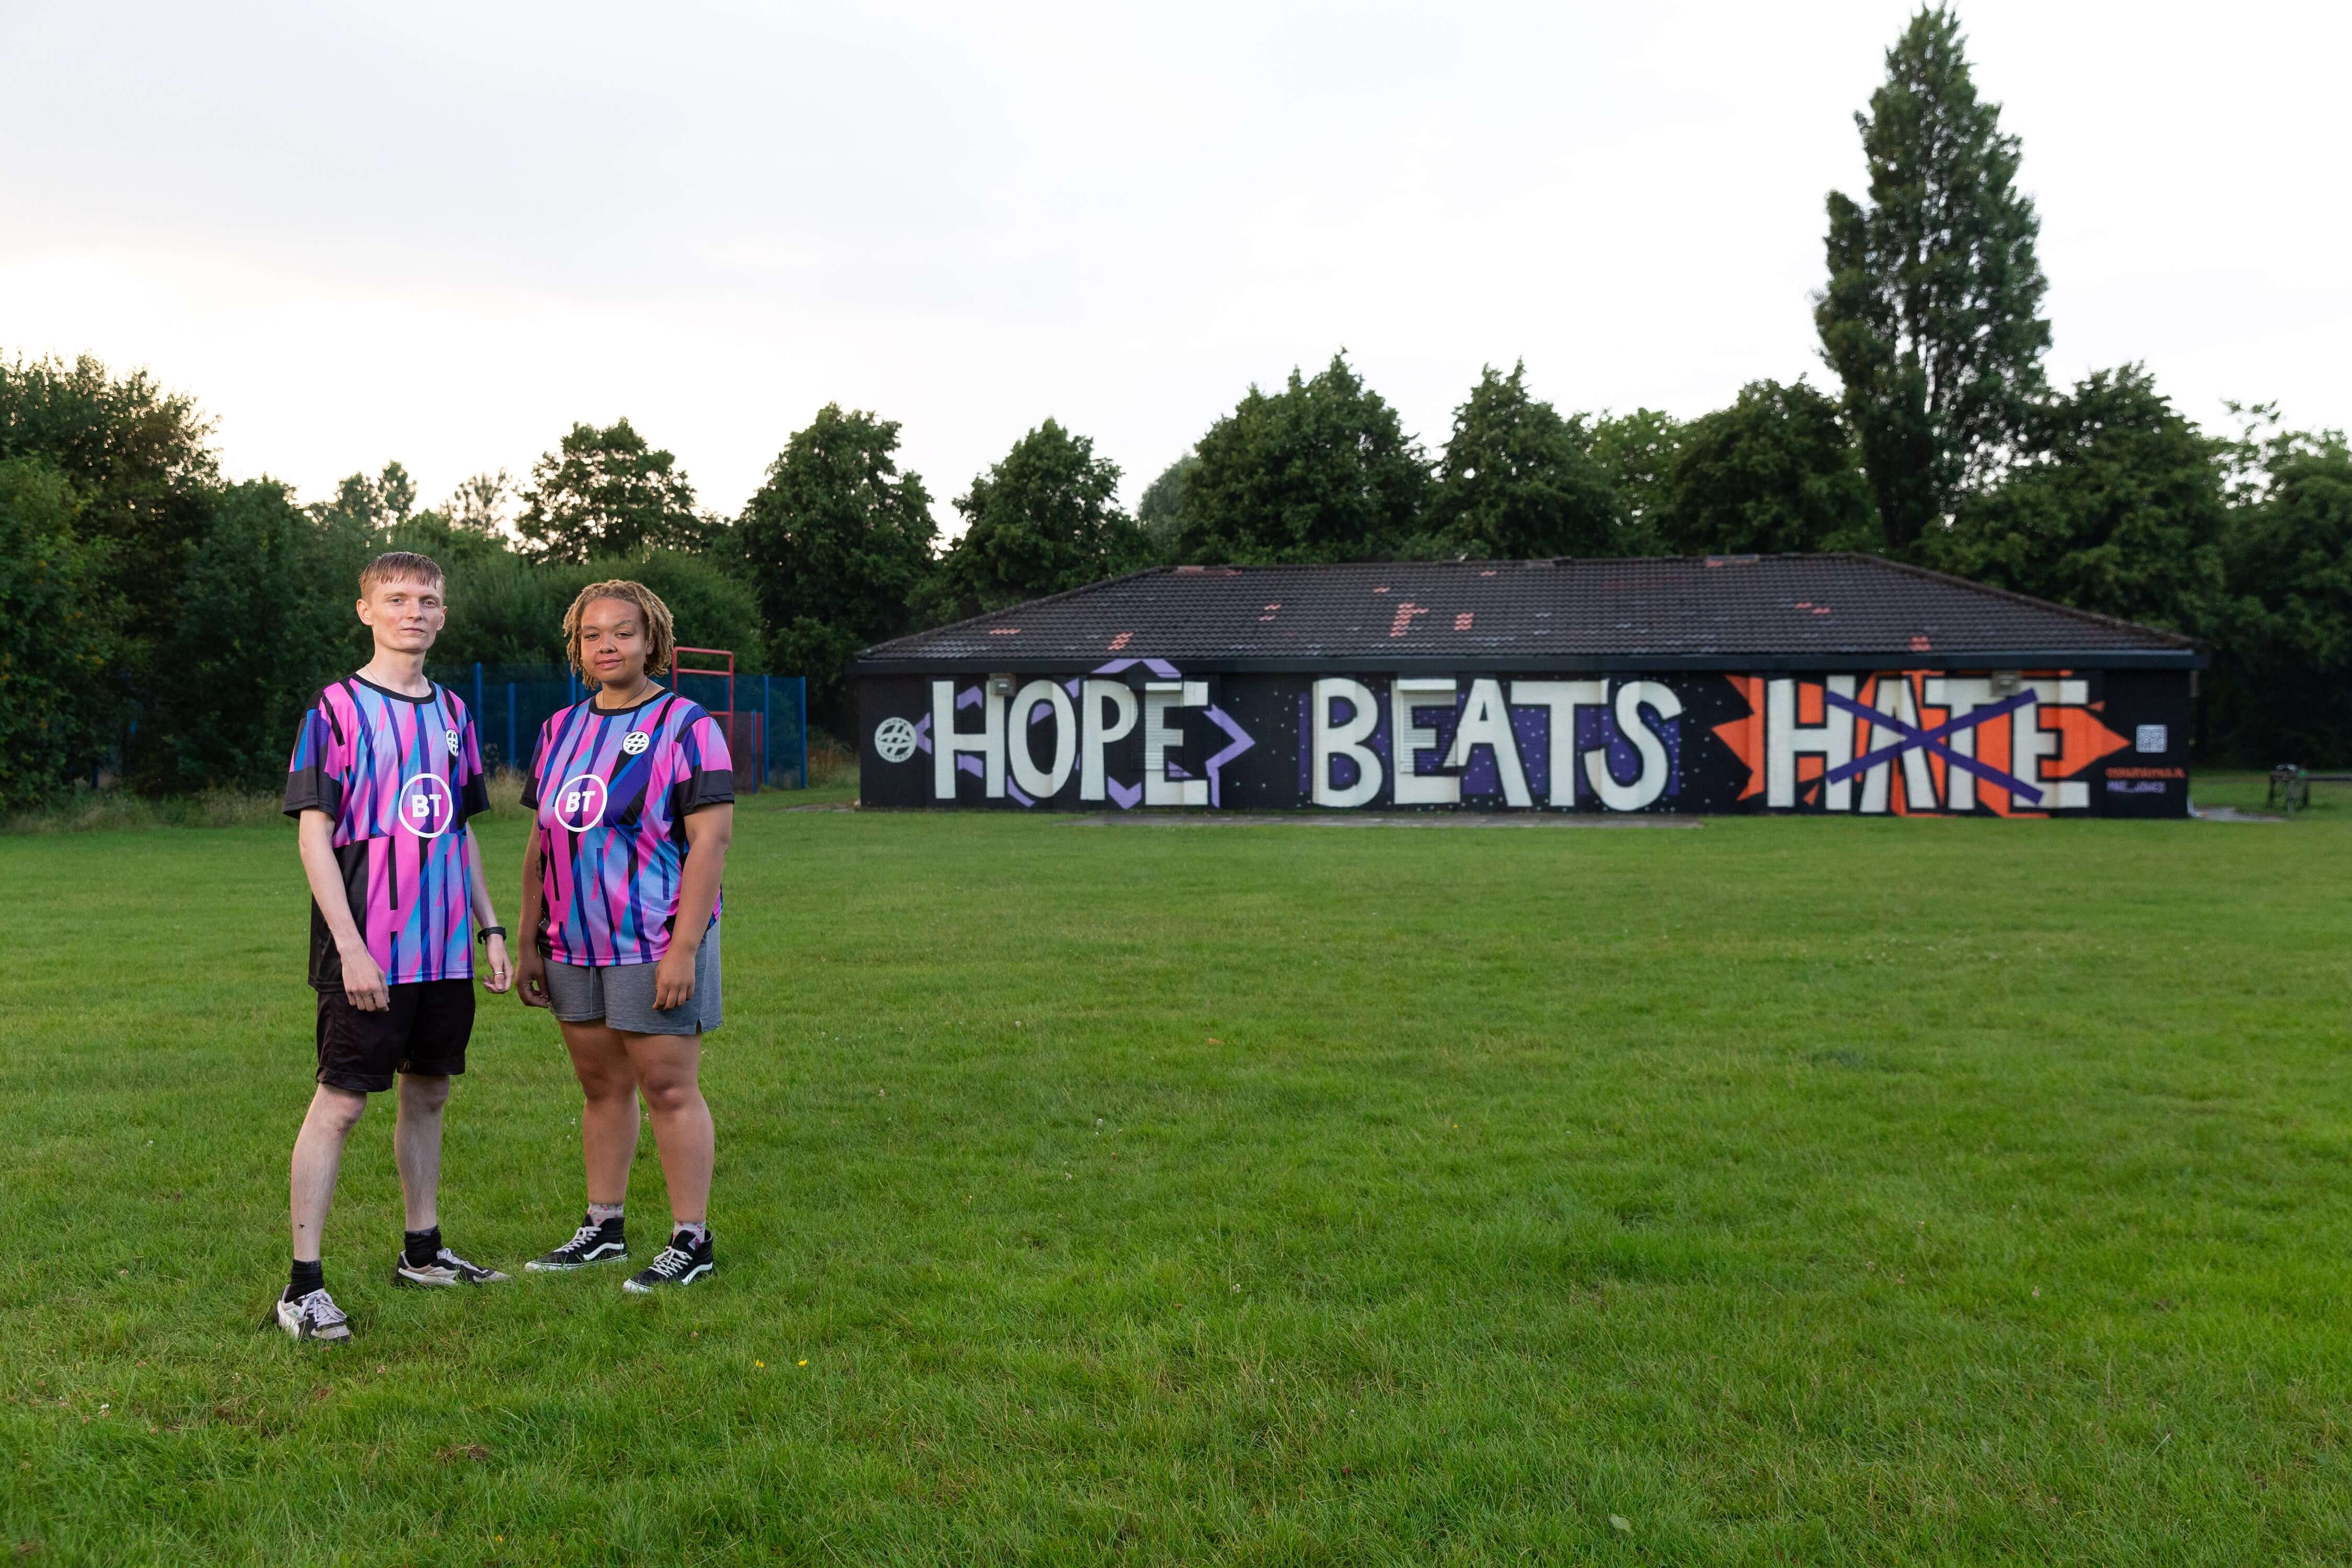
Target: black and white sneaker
682 1262
314 1317
590 1245
446 1268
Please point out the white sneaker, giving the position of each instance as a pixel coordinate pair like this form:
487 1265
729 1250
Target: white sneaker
314 1317
446 1268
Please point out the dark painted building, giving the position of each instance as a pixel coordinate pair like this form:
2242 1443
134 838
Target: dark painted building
1808 683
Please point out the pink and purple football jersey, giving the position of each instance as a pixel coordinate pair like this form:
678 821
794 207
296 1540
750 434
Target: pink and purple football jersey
399 775
614 790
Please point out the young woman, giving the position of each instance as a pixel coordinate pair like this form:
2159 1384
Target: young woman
634 792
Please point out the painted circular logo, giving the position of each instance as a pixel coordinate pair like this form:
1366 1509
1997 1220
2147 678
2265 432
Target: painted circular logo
635 742
895 739
425 805
453 743
579 805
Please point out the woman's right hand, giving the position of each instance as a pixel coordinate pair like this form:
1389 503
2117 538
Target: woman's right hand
530 976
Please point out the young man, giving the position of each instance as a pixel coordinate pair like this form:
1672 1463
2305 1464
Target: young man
385 771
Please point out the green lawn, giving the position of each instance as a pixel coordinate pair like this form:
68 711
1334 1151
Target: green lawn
1779 1191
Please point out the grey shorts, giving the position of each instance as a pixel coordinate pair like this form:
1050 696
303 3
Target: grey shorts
622 995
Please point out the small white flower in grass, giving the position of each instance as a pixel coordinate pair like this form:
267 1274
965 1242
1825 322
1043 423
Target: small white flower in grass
1618 1521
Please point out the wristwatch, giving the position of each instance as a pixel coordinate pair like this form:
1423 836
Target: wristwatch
487 932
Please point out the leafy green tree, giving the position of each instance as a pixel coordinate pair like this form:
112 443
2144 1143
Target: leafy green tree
56 636
1636 451
609 493
1516 481
1931 317
1161 513
372 505
1321 470
838 542
2115 505
1044 518
145 480
1773 472
264 618
2281 689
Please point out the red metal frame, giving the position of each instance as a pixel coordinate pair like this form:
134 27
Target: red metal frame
727 720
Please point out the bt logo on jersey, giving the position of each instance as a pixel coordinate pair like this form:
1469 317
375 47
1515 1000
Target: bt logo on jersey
580 804
425 805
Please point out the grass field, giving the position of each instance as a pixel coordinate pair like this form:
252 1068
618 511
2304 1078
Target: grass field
1776 1191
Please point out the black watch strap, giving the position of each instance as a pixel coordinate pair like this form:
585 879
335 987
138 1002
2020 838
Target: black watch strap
488 931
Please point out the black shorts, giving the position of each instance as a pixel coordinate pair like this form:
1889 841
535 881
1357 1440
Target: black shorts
424 1030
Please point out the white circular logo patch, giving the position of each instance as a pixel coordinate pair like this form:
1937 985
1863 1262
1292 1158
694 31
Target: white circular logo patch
425 805
635 741
893 739
453 743
579 805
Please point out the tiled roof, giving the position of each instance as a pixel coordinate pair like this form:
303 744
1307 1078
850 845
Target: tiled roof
1529 615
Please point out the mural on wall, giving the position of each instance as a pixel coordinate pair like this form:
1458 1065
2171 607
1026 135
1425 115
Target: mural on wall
1142 733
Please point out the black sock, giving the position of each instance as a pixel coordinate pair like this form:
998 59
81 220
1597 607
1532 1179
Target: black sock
423 1245
306 1277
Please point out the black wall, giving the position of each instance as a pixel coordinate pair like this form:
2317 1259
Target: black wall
2087 742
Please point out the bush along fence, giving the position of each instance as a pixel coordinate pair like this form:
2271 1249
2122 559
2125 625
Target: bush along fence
765 716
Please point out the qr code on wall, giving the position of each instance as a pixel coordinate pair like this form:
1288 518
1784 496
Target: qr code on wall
2152 737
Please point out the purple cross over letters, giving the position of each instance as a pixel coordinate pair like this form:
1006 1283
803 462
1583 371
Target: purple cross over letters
1932 742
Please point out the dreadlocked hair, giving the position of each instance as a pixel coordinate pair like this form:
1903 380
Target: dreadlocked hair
661 633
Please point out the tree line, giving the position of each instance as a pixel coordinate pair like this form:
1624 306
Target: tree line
157 614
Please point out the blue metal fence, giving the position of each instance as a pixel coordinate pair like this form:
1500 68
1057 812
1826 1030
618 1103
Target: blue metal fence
767 728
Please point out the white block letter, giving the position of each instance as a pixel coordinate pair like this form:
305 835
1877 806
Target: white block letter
1041 783
1963 695
1411 788
1159 739
946 741
1563 698
1831 739
1894 700
1346 740
1102 727
1486 721
1650 782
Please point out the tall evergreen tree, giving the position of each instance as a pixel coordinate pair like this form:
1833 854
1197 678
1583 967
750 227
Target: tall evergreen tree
1321 470
838 542
1517 482
1044 518
1931 317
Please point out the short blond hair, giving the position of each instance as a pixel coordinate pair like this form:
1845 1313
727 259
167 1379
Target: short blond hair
661 633
394 564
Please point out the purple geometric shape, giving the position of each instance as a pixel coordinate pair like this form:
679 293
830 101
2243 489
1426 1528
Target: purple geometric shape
1531 727
1128 795
1241 742
967 698
923 733
968 763
1015 791
1306 746
1932 742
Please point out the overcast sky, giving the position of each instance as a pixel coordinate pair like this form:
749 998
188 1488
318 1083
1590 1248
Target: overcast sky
443 232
